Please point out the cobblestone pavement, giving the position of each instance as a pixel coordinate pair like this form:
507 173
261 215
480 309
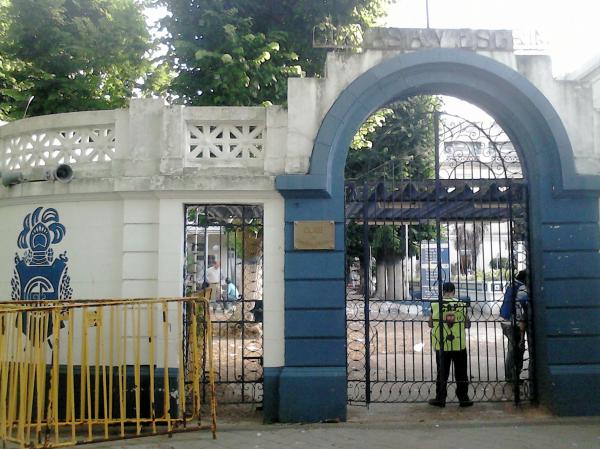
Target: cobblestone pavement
410 427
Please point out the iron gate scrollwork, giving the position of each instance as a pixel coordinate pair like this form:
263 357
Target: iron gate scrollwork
466 224
224 251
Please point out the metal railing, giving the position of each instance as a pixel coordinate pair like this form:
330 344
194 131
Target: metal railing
82 371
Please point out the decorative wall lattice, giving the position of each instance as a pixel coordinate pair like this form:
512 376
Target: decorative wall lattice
58 146
225 141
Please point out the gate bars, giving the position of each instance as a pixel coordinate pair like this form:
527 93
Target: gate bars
232 235
468 225
82 371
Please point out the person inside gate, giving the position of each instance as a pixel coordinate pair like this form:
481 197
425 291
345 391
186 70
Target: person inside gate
232 296
515 312
213 279
450 346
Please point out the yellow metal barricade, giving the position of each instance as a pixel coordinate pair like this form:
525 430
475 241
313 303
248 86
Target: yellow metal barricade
95 370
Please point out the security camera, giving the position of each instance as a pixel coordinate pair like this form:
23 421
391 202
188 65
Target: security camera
63 173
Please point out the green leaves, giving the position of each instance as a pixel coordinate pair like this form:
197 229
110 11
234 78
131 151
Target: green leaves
242 52
400 131
74 55
387 241
234 66
201 53
230 30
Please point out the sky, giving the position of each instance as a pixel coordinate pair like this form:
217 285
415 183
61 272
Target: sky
570 28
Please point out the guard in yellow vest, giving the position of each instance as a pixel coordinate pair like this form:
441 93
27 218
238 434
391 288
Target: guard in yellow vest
450 346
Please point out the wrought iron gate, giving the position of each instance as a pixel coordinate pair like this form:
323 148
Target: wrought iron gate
406 237
224 251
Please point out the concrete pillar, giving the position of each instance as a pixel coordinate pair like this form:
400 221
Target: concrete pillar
140 247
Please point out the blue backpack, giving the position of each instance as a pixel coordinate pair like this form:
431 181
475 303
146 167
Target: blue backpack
507 303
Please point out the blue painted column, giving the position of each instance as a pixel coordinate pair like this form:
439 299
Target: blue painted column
312 384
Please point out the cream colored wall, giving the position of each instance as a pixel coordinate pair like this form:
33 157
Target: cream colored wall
140 253
93 238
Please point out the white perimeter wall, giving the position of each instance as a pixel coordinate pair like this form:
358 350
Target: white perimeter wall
131 245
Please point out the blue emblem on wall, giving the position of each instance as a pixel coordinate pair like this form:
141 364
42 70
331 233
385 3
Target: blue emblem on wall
38 275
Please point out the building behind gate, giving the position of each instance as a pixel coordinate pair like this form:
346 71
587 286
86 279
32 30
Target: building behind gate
159 192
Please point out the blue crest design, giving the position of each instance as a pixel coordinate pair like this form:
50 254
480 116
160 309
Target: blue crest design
38 275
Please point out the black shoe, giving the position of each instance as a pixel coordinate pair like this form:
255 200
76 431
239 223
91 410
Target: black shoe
467 403
436 403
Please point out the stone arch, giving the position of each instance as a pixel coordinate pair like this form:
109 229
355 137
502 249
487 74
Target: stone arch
315 319
520 108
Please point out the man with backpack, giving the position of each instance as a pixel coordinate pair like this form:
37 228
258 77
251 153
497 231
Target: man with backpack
515 310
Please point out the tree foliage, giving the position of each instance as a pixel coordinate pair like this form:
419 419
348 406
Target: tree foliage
499 263
72 55
11 90
388 241
396 142
241 52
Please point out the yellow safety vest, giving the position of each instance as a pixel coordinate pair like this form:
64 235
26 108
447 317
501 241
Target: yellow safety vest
454 314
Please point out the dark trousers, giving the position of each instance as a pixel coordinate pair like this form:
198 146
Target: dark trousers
513 364
459 360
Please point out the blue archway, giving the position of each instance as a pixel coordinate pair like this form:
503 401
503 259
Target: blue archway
312 384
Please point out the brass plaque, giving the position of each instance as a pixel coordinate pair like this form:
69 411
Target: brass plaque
314 235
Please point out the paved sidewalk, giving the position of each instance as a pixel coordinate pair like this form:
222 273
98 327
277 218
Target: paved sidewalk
401 427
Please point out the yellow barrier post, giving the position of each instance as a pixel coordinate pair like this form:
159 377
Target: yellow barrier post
97 325
4 368
166 401
55 379
152 340
111 348
71 378
209 351
137 381
181 368
123 371
104 383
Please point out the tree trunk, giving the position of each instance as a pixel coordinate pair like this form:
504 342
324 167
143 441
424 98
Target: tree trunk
400 279
390 280
381 281
395 279
390 291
